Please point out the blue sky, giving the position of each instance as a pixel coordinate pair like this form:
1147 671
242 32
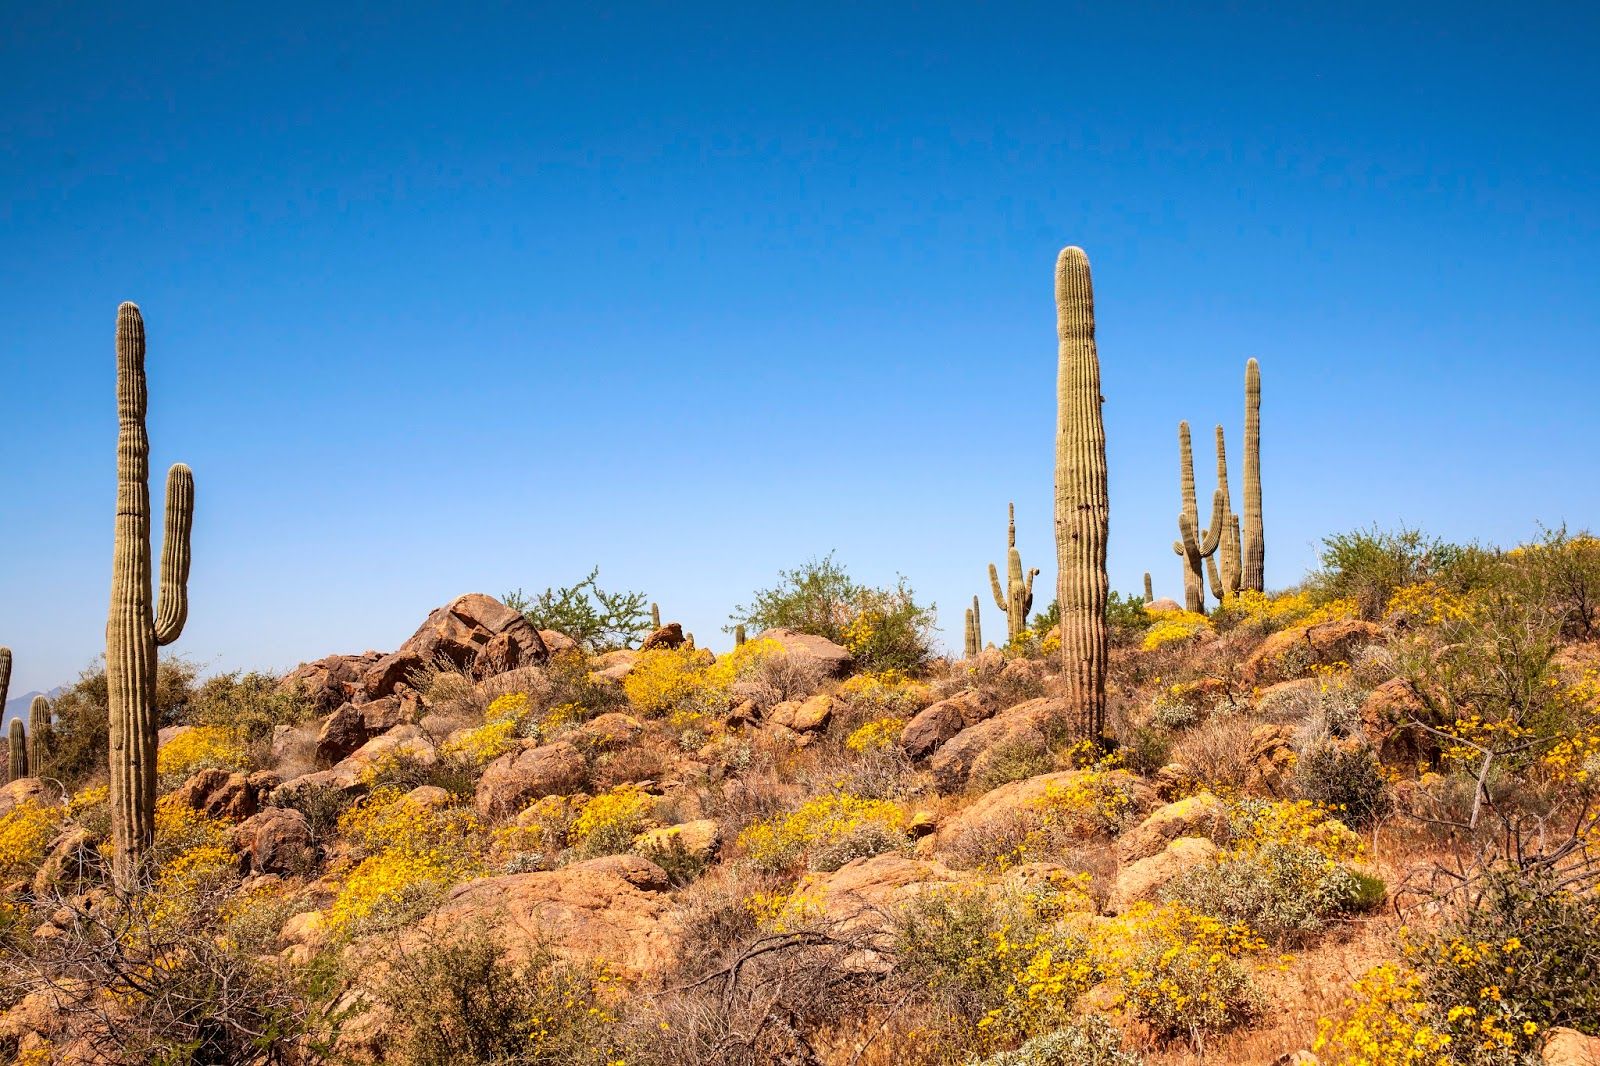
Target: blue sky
469 297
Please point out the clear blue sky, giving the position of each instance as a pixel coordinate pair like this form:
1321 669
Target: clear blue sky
471 297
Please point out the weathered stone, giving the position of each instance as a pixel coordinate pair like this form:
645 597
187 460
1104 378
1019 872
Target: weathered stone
1144 879
1293 652
699 839
1200 815
477 634
804 716
835 659
516 778
960 760
934 725
276 841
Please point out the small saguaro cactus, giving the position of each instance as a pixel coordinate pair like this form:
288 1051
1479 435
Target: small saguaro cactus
17 766
738 636
1082 499
655 617
974 633
1196 544
138 625
1253 552
5 674
1017 598
1149 589
39 734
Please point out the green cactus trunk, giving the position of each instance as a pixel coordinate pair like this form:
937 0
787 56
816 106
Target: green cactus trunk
17 766
138 625
1149 589
1082 499
5 674
1195 545
1223 567
974 635
1253 553
1016 600
39 734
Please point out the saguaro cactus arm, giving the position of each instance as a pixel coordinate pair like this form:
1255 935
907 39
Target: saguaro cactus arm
173 610
1082 503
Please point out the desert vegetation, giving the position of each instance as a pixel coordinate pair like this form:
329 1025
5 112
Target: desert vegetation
1352 821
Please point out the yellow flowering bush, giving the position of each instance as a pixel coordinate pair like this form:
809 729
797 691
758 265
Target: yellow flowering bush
188 880
1257 823
888 693
1425 603
503 723
412 854
1171 627
181 828
684 678
880 734
201 747
825 832
1385 1021
26 831
784 912
607 823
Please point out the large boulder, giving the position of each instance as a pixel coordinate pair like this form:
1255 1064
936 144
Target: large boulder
835 658
25 790
963 758
1022 800
1270 760
220 794
1144 880
475 633
329 682
1200 815
667 638
700 839
615 910
1568 1047
864 893
276 841
805 716
1388 718
1294 652
353 724
517 778
933 725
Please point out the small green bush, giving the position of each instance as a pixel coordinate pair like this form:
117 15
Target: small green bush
1347 778
1368 565
598 620
1284 891
1090 1040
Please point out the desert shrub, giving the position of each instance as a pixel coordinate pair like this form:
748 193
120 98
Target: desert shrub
1252 824
599 621
82 731
1172 627
1088 1040
1385 1019
1096 803
1217 753
824 833
201 747
686 682
505 722
1346 778
1285 892
1368 565
884 628
877 735
406 854
1561 572
458 998
1264 613
772 675
248 705
26 831
607 823
885 693
1126 616
1013 760
323 806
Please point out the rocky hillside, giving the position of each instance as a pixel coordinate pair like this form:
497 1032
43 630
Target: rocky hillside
1319 833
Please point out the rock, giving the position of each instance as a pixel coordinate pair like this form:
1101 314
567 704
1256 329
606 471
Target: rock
962 758
430 797
804 716
328 682
933 725
25 790
476 633
1568 1047
667 638
276 841
71 854
863 894
923 823
1292 652
168 733
616 665
343 779
1386 720
514 779
613 909
219 794
1164 604
699 839
609 731
556 643
835 659
303 936
1200 815
353 724
403 741
1018 800
1271 760
1142 880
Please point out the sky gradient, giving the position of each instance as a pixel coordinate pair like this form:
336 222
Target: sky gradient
472 297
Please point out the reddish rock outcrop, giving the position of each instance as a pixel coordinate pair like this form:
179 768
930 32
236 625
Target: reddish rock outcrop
1293 652
475 633
515 779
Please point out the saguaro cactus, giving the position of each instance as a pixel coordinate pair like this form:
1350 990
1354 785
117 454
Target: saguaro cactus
1149 589
39 734
1082 500
137 626
974 635
655 618
738 636
1253 572
5 674
17 766
1017 598
1195 545
1223 567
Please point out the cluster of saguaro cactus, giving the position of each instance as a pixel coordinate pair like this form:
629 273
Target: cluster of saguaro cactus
1082 500
974 641
137 625
1233 558
1016 600
5 674
17 742
40 734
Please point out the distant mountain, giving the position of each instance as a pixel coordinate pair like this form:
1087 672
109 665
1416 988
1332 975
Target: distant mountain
17 706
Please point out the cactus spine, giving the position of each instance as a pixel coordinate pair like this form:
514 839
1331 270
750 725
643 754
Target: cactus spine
136 625
655 618
1082 503
1254 549
1149 589
1195 545
17 767
39 735
1017 598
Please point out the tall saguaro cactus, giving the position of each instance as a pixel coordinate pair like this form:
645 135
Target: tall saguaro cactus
1253 571
138 624
1082 498
1195 545
17 765
5 674
39 734
1017 598
655 617
1223 567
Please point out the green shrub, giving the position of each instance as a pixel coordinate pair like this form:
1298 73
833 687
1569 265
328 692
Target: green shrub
1368 565
884 628
82 732
1127 617
1284 891
1345 777
598 620
1089 1040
